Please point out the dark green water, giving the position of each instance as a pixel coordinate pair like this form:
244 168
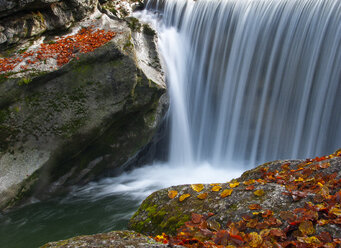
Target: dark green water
101 206
60 218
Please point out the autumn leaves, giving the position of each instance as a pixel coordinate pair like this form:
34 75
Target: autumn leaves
62 50
314 189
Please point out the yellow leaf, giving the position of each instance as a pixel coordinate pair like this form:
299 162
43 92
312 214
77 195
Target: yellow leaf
172 193
320 184
322 222
300 179
306 227
202 196
183 197
335 211
215 184
309 240
197 187
226 192
259 192
249 182
255 239
216 188
233 185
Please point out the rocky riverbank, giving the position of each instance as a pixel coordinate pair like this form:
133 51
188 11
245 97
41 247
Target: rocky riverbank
284 203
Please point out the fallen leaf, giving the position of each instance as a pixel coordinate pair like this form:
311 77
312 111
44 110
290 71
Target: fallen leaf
196 218
183 197
216 188
172 193
202 196
197 187
226 192
255 207
255 239
259 192
235 184
306 228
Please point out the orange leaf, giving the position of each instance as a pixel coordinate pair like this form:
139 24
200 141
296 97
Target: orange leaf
197 187
226 192
255 207
172 193
216 188
183 197
202 196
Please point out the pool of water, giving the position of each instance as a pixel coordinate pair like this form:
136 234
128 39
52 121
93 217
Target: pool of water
98 206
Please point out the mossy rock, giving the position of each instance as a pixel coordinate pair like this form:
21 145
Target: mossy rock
159 213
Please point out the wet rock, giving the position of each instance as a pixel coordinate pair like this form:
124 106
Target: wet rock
67 126
117 239
268 193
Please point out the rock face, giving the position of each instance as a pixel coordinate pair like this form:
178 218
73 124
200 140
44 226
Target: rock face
289 195
118 239
23 20
67 126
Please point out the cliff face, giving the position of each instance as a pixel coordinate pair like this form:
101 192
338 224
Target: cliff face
65 122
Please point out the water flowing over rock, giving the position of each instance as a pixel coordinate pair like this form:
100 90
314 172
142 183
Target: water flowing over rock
252 81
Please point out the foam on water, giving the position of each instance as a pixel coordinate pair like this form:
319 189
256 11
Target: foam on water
141 182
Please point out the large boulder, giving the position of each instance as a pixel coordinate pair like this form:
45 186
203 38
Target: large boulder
69 125
278 204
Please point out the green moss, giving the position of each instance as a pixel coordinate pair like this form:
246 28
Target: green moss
171 225
134 24
72 127
151 210
24 81
148 30
128 45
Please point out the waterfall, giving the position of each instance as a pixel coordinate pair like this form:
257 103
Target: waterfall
252 80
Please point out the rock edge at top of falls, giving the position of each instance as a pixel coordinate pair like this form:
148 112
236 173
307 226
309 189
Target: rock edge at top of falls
69 124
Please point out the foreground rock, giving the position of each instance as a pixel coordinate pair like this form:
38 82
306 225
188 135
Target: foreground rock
290 203
65 125
118 239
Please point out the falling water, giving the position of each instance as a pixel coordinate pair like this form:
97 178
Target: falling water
249 81
252 80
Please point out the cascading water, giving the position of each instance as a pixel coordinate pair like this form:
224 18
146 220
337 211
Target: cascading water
249 81
252 80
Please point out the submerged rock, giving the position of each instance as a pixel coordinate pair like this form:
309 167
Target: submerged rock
298 197
64 126
117 239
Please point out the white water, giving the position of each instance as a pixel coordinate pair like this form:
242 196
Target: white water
252 80
249 81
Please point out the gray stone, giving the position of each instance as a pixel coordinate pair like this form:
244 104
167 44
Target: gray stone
67 126
117 239
3 38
